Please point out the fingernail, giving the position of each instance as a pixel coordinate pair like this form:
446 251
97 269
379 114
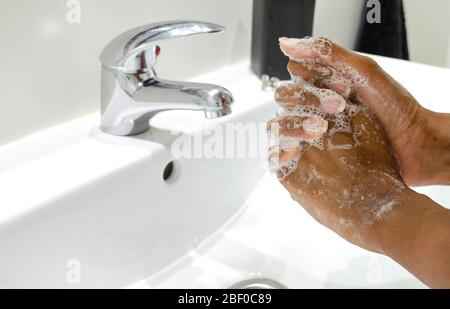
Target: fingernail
288 44
289 48
315 125
333 104
274 162
273 136
299 50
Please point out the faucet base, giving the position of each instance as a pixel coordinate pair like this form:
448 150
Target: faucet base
127 128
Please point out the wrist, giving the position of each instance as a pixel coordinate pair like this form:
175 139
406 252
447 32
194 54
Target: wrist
417 237
397 233
437 156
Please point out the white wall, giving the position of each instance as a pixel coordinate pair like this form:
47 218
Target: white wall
49 69
428 24
49 73
338 20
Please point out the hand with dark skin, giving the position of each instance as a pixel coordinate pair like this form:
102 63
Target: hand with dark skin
358 187
419 137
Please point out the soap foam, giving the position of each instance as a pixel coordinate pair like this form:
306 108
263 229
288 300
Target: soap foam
317 49
373 207
353 76
341 124
327 75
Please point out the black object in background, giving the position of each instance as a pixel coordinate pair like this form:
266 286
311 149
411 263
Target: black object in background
387 38
273 19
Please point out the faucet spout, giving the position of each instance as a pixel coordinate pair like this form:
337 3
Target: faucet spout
129 112
214 100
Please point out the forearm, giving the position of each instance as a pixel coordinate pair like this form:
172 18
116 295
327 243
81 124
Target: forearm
418 237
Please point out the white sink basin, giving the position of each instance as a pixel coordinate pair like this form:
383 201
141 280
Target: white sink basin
272 237
77 201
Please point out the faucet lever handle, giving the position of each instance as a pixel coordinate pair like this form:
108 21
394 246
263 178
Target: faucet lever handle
135 50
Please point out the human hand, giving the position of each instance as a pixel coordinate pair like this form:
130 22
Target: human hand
419 137
346 174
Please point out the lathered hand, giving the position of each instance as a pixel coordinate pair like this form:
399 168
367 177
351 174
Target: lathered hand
340 164
420 138
348 179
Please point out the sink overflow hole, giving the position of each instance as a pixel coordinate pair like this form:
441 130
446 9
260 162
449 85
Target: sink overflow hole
168 171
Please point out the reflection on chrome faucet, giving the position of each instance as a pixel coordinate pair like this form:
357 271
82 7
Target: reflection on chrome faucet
132 92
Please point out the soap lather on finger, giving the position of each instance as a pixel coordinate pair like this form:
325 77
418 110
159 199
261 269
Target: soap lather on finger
303 127
320 76
317 50
286 135
295 95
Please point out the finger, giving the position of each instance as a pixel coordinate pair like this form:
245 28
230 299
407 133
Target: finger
352 66
317 50
282 149
320 76
370 83
291 95
282 156
301 127
295 95
365 76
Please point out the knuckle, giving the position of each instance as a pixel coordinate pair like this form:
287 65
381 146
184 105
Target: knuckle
369 63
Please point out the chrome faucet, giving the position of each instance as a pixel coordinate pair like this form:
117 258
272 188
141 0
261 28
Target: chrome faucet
131 91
